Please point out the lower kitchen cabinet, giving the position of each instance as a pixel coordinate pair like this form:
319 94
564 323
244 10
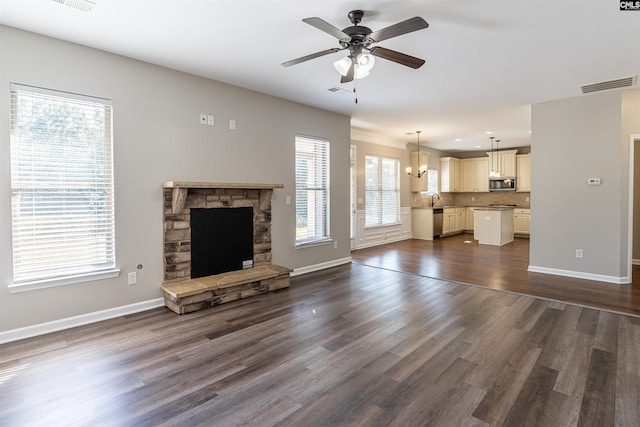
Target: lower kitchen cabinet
521 221
453 220
468 218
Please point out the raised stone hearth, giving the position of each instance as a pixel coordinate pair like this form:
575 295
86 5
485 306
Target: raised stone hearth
184 294
197 294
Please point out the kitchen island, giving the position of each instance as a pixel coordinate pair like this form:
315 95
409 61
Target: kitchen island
493 225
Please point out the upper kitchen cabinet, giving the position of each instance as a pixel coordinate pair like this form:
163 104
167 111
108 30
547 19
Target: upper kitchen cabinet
503 162
475 174
523 172
419 184
450 175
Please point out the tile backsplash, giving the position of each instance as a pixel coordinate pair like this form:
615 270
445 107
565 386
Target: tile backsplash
521 200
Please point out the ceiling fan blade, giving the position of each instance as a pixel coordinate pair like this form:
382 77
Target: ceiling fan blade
400 58
350 73
327 28
311 56
413 24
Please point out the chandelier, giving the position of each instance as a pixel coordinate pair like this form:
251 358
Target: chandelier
423 168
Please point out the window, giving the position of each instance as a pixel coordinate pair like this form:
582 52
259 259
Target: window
62 186
382 191
354 190
312 190
432 181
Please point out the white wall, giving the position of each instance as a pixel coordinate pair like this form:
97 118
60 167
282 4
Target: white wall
157 138
573 140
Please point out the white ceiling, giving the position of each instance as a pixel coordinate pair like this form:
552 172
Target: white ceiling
487 61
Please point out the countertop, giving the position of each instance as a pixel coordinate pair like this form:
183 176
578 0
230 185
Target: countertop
495 208
437 207
483 208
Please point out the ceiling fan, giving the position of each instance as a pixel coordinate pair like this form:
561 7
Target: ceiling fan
358 40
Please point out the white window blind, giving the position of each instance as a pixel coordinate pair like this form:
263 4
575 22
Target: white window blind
62 185
432 181
382 191
312 190
354 189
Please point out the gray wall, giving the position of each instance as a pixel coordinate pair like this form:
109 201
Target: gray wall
573 140
157 138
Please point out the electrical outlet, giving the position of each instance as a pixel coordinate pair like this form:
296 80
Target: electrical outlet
526 199
203 119
232 124
133 278
335 244
579 253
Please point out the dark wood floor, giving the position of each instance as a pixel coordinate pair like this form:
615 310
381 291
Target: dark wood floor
351 345
498 267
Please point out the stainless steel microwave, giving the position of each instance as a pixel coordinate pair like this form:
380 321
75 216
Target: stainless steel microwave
502 184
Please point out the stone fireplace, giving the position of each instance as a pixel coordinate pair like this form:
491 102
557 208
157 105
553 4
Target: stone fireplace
181 197
184 293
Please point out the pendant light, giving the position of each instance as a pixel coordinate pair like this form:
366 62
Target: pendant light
423 168
495 169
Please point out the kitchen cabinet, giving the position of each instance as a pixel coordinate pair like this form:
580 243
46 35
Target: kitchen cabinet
523 172
419 184
503 162
450 175
422 223
475 174
453 220
468 218
522 221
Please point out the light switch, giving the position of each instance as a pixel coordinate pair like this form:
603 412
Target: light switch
210 120
232 124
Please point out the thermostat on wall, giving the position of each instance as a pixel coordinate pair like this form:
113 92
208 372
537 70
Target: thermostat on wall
593 181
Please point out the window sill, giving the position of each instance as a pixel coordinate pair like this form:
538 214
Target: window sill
63 281
314 243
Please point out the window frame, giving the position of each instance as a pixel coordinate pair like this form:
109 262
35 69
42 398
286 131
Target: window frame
316 152
30 182
380 191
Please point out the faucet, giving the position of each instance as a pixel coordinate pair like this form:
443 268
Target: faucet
432 202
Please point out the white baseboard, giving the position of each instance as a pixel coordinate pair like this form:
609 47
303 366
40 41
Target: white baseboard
580 275
82 319
321 266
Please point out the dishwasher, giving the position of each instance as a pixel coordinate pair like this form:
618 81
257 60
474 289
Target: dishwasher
438 213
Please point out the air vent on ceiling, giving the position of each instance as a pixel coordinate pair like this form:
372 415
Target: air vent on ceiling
83 5
611 84
338 89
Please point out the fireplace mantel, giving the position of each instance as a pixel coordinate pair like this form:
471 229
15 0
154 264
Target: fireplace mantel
190 184
181 188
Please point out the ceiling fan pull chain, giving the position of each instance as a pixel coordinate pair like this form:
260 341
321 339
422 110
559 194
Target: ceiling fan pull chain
355 86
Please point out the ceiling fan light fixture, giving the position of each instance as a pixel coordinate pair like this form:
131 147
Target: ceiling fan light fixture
360 73
366 61
342 65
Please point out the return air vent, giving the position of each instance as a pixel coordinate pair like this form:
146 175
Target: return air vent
83 5
611 84
338 89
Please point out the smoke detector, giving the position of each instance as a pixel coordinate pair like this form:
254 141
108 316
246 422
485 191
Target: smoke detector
83 5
